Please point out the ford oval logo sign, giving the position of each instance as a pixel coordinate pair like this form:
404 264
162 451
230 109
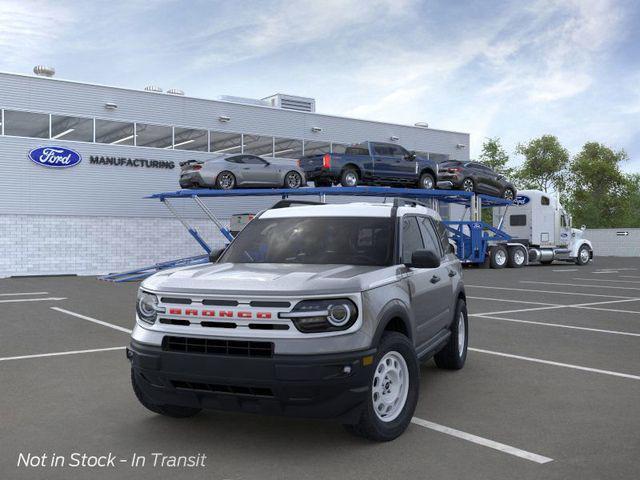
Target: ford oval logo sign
521 200
55 157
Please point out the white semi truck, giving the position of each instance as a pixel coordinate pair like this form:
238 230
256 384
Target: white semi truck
540 231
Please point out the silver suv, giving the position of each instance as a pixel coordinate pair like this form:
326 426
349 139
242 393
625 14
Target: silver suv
313 310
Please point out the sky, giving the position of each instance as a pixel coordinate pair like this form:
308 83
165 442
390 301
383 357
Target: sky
509 69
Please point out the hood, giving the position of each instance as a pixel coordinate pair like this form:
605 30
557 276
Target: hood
268 279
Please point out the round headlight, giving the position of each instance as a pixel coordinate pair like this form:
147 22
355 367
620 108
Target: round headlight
339 314
147 307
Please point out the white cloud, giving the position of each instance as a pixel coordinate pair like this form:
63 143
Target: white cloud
30 29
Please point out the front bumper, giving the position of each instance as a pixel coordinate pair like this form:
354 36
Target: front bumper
315 386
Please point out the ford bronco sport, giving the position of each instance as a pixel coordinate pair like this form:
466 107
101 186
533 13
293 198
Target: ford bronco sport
313 310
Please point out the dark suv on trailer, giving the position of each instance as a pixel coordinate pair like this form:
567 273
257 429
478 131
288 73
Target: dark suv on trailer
474 177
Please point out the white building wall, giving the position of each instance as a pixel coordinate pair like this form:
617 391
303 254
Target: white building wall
58 245
612 242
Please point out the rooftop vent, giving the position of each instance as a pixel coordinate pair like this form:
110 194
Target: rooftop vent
291 102
153 88
43 71
175 91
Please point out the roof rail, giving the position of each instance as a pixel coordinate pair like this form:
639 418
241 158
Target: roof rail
290 202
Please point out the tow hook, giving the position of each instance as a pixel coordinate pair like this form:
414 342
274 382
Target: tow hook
129 354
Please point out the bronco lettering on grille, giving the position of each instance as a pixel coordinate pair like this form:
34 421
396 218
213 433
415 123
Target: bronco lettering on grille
192 312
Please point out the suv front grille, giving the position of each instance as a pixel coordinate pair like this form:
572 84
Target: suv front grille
212 346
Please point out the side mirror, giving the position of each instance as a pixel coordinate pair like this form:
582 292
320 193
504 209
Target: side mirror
583 228
424 259
214 255
410 156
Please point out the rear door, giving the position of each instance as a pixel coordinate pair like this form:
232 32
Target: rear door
383 160
405 168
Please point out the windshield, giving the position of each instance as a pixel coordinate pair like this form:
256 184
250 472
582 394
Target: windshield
316 240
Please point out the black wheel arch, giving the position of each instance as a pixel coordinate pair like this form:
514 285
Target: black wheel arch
351 166
394 317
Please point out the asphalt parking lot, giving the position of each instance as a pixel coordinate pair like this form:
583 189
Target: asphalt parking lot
551 390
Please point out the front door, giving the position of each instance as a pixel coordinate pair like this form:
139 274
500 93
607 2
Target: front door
427 286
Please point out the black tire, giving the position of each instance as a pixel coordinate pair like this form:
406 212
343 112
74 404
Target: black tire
322 183
175 411
349 177
225 180
499 256
292 180
453 356
517 257
468 185
427 182
509 194
583 258
370 426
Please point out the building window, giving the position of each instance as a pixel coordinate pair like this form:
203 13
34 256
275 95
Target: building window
190 139
157 136
258 145
115 133
26 124
287 148
226 142
338 147
71 128
316 148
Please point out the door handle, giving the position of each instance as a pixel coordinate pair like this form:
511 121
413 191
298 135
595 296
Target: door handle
435 279
452 273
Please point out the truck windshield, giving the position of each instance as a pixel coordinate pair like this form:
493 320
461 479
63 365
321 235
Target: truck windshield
315 240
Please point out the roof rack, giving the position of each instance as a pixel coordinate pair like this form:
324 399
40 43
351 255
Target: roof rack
290 202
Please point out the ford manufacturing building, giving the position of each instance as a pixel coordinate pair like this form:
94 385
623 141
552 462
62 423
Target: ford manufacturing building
91 218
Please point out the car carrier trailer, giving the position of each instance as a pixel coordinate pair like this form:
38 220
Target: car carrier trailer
475 241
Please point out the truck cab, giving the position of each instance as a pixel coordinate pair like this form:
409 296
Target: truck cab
540 223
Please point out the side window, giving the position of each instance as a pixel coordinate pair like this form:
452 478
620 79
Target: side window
238 159
411 238
253 160
398 151
544 200
443 234
517 220
431 241
382 150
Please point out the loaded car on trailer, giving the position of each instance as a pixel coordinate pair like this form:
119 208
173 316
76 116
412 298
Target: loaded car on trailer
312 310
371 163
474 177
232 171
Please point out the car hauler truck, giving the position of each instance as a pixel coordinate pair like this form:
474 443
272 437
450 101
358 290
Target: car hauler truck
540 231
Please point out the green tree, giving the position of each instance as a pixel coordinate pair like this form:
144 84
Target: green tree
545 164
599 193
494 156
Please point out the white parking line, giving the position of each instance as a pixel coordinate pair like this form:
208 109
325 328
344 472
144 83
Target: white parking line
581 285
559 325
547 291
557 364
552 306
511 301
629 276
26 293
57 354
19 300
534 457
94 320
605 280
566 270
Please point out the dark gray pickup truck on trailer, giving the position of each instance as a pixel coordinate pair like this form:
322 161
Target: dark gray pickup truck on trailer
371 163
